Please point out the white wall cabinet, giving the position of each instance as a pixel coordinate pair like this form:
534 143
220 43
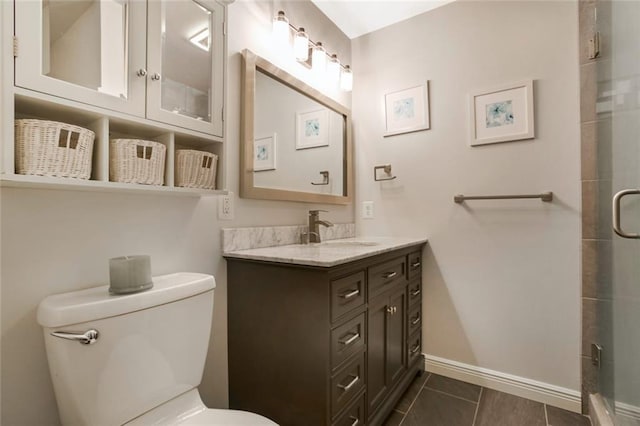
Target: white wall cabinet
149 70
162 60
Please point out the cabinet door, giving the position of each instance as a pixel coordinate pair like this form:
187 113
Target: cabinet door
185 64
396 337
87 50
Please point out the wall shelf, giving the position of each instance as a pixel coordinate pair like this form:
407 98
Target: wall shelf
53 183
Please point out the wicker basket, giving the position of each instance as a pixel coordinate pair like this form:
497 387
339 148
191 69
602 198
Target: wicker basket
51 148
136 161
196 169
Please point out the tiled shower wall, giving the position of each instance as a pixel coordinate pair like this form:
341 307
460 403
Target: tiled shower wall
596 158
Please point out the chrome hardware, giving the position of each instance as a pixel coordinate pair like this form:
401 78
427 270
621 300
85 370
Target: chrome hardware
350 384
305 237
415 265
415 293
141 72
596 354
325 178
617 227
545 196
390 310
350 294
351 339
594 46
87 338
314 225
156 77
415 321
387 170
355 421
395 309
389 274
414 350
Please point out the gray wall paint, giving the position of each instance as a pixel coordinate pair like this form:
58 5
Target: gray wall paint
57 241
502 277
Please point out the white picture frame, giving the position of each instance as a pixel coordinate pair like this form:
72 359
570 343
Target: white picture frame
407 110
502 114
264 153
312 129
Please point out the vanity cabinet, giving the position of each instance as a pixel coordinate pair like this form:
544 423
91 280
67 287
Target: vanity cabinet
162 60
313 345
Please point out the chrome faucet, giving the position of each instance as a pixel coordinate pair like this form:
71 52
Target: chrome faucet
314 225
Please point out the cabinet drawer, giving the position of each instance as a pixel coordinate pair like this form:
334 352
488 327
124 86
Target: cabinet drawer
347 383
414 265
414 346
415 292
347 339
382 277
414 319
354 415
347 294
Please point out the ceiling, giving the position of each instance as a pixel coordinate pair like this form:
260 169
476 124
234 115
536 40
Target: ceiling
358 17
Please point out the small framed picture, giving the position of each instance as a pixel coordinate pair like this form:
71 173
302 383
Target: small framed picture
312 129
264 154
502 114
407 110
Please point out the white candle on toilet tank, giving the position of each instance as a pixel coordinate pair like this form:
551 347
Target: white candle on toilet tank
130 274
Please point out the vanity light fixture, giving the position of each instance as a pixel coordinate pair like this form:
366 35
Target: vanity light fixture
301 45
281 28
318 58
346 79
321 62
201 39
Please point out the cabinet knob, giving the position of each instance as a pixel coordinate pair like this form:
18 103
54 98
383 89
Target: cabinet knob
141 72
155 77
390 310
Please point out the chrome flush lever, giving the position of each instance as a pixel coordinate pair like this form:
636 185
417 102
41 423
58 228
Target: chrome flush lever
87 338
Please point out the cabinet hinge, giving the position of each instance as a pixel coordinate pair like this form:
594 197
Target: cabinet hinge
222 113
15 46
224 28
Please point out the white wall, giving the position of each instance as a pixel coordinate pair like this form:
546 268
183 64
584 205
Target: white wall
502 277
56 241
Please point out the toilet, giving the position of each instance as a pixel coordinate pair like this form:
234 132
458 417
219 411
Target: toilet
134 359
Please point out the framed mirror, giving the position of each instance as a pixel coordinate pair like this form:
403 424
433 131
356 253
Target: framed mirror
296 142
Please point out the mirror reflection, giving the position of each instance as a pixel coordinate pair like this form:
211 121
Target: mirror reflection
186 59
84 43
299 143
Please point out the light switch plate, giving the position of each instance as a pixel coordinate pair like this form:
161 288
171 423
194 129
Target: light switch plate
225 207
367 209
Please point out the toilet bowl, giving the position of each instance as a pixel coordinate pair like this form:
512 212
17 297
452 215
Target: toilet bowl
134 359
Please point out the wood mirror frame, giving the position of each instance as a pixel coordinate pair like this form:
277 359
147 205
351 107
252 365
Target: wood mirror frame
252 63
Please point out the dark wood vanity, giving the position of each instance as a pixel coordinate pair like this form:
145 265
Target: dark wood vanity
311 345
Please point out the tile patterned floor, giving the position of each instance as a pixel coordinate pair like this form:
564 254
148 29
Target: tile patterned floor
434 400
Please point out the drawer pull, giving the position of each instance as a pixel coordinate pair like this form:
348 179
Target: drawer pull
389 274
414 350
350 384
351 339
355 421
415 321
415 265
415 292
392 309
351 294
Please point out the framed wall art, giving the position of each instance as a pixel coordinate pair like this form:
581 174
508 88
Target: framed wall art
407 110
502 114
312 129
264 154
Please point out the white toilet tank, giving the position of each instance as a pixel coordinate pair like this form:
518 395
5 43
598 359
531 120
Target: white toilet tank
151 347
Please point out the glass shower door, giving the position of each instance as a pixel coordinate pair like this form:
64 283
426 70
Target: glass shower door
620 373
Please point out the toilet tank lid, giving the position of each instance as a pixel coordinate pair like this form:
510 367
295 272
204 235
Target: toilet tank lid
96 303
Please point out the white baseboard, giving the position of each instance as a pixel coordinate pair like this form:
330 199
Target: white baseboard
627 410
531 389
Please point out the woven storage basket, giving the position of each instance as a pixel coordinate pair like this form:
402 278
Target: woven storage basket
136 161
196 169
51 148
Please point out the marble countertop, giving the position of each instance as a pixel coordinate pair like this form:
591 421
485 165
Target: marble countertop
326 254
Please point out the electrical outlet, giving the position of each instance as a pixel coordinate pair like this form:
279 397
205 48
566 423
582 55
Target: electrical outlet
225 207
367 209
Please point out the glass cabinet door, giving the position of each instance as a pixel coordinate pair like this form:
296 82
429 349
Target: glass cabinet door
91 51
185 64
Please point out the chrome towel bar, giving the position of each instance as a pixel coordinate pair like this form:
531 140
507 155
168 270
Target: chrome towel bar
545 196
